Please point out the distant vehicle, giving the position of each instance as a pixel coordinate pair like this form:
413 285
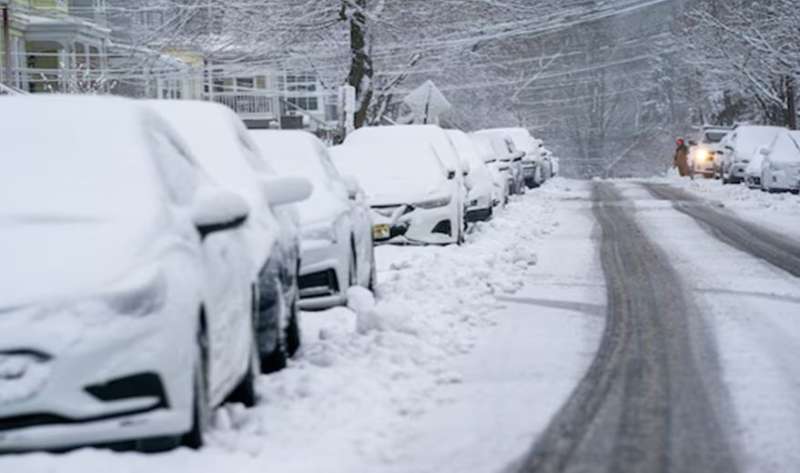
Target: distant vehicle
127 301
409 189
780 168
499 167
399 135
480 183
505 146
224 149
337 252
706 150
535 169
739 146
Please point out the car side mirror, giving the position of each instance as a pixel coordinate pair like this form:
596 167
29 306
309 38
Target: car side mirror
763 151
215 210
352 186
692 143
286 190
729 148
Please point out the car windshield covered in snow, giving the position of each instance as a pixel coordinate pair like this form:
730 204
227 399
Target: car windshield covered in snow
60 173
714 136
411 171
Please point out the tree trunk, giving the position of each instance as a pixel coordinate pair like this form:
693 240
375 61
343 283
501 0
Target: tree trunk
791 104
361 71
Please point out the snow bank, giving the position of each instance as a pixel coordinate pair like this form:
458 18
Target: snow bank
367 372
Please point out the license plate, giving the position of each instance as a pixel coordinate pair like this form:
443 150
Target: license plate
381 232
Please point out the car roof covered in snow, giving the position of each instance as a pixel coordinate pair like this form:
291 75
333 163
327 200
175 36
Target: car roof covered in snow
299 153
521 137
750 137
786 147
397 135
413 170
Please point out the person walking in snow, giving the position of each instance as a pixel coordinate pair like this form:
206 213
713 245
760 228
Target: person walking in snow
681 159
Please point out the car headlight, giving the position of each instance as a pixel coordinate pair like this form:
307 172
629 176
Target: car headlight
321 231
141 295
434 203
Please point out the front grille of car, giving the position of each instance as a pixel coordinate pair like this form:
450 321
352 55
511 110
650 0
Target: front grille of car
444 227
129 387
319 284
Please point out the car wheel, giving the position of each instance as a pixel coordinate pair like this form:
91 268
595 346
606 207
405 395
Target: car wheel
277 359
201 411
293 335
245 391
352 270
373 272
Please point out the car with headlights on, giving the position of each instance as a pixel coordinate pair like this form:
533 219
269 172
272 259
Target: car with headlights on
780 166
739 146
705 150
126 304
336 248
412 194
225 150
397 136
480 184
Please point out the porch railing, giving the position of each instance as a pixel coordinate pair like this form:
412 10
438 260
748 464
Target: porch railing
254 106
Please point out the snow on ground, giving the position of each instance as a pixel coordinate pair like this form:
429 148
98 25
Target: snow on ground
463 358
781 212
752 308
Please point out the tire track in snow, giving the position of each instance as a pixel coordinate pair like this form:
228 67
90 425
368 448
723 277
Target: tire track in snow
649 400
772 247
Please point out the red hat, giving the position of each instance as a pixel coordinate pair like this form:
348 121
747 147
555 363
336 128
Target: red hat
679 142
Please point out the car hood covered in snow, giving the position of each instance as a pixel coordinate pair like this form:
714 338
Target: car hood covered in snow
76 208
393 175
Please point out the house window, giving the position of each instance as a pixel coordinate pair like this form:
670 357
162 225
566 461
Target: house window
244 83
309 104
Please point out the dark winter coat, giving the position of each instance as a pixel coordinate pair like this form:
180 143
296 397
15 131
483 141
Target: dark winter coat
681 160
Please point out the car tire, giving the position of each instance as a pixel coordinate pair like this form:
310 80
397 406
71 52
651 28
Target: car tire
201 411
373 272
245 391
293 335
277 359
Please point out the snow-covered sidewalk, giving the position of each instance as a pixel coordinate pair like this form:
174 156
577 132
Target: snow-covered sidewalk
463 358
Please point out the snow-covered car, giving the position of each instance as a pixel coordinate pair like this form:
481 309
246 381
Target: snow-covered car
400 135
706 150
531 169
780 167
480 183
126 306
752 174
409 190
337 251
739 147
499 167
225 150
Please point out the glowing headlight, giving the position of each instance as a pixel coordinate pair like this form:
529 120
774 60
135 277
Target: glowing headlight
434 203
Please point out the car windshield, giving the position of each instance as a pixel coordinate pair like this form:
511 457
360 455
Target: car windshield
715 136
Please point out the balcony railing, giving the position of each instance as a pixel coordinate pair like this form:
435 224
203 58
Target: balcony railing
251 106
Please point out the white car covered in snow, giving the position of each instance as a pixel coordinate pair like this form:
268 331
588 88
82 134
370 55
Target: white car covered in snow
752 174
527 168
705 151
413 196
224 149
126 304
480 183
401 135
739 146
336 248
499 167
780 167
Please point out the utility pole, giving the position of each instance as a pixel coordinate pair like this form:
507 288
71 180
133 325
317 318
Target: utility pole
6 44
